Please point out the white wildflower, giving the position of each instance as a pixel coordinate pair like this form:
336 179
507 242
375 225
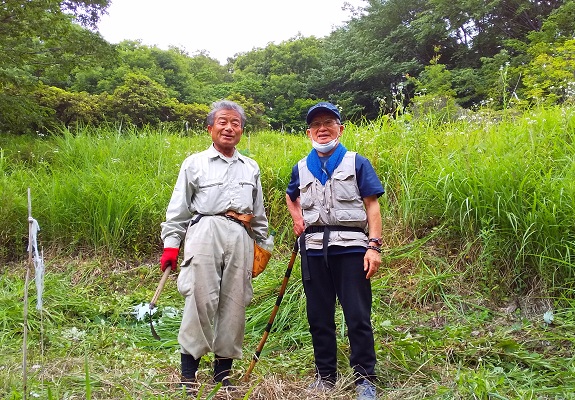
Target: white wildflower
74 334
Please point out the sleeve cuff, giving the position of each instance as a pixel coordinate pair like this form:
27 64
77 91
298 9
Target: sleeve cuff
171 242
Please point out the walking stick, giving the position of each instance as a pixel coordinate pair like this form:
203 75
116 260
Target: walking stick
273 314
155 299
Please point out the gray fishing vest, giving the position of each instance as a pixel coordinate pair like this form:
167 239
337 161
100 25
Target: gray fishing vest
338 202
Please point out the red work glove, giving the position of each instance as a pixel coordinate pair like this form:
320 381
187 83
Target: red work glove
169 258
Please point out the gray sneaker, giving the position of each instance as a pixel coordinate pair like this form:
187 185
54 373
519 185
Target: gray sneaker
321 385
365 390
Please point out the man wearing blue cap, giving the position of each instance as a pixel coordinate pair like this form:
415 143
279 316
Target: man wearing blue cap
333 200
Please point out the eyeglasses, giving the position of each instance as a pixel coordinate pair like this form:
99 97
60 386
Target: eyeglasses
328 123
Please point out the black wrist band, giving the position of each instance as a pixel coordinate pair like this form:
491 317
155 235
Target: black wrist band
378 241
374 248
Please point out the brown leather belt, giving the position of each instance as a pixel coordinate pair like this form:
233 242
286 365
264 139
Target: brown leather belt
243 219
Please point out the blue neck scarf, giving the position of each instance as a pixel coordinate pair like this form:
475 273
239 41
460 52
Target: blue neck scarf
323 173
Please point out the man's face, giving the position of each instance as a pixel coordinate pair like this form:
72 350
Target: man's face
226 131
324 127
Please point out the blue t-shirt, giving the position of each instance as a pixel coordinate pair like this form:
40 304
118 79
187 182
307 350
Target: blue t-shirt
368 184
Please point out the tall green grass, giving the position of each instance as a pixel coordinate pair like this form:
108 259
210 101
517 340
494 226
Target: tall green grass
95 191
505 181
475 212
513 179
505 178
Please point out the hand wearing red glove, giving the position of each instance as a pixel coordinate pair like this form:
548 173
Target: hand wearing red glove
169 258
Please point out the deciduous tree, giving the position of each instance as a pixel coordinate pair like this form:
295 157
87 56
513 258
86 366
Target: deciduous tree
34 35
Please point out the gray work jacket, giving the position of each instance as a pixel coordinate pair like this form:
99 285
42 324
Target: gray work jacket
210 184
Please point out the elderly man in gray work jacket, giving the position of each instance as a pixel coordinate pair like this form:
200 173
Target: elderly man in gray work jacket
217 211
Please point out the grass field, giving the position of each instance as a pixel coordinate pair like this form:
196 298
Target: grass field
475 300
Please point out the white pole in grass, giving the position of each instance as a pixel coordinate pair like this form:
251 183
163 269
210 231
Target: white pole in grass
36 259
25 340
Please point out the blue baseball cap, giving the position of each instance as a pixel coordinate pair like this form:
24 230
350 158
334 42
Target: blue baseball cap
322 106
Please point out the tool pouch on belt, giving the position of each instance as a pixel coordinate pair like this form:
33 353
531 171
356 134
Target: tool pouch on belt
261 259
261 255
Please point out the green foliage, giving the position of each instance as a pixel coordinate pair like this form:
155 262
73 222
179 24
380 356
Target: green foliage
39 39
548 72
140 101
437 110
281 70
19 112
297 55
493 55
499 82
435 97
69 108
193 114
549 78
435 80
195 79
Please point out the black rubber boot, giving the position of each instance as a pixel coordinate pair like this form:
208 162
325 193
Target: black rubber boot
189 372
223 370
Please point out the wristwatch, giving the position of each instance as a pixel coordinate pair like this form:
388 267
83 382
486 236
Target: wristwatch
377 241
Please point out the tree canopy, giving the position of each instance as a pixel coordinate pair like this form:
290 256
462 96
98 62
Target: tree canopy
55 68
43 40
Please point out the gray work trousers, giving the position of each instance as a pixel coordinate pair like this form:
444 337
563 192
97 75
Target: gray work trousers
216 281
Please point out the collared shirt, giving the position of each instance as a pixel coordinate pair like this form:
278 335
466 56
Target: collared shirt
210 183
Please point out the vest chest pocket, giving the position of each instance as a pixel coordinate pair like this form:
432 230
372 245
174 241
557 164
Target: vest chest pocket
306 197
344 187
